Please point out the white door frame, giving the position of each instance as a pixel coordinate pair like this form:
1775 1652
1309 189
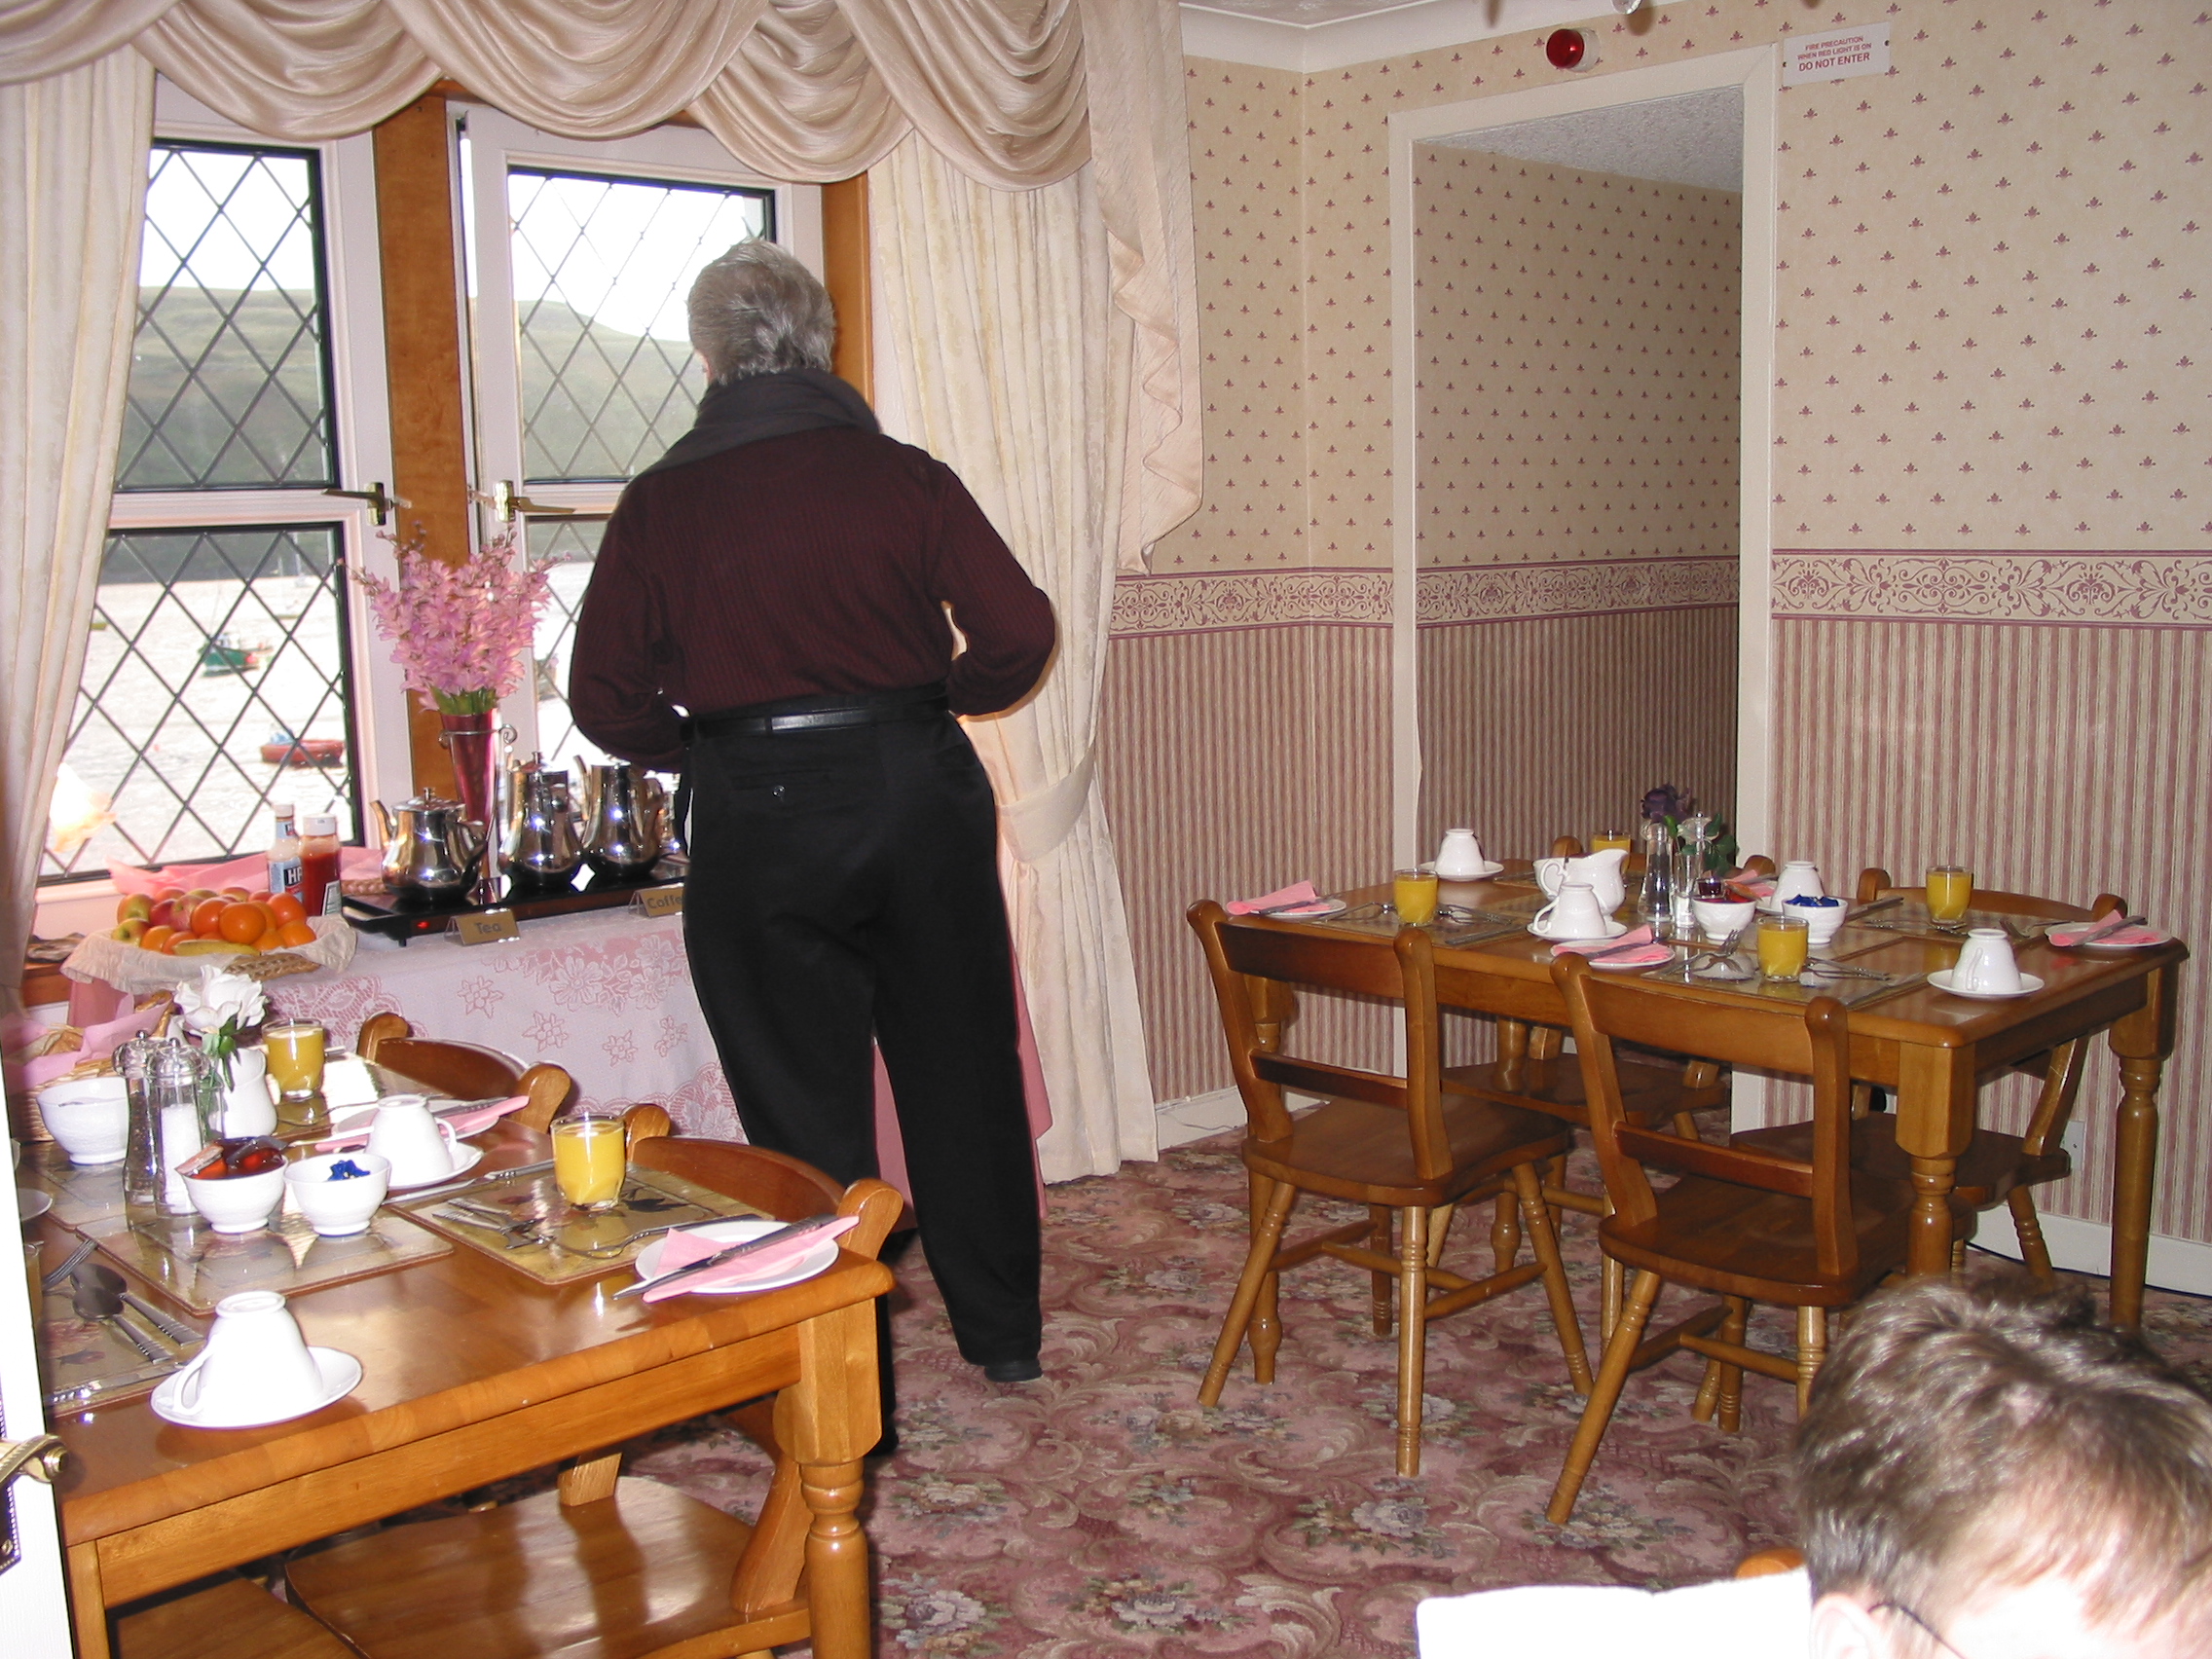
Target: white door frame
34 1607
1756 70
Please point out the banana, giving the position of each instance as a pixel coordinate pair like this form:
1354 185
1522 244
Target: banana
213 947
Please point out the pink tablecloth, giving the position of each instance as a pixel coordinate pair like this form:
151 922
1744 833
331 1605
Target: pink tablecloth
607 996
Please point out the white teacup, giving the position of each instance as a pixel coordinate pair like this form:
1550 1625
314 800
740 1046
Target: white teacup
256 1363
338 1209
90 1118
1576 913
419 1145
1600 871
1985 963
1796 876
1460 857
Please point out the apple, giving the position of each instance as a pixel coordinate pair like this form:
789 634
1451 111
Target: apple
164 913
160 893
134 907
200 894
237 894
132 931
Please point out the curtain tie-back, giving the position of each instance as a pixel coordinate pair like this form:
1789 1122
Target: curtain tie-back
1040 821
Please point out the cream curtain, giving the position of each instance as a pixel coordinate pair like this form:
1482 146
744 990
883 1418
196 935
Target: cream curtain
73 174
1011 365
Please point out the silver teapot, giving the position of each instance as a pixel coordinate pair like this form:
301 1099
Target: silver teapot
544 842
431 851
623 813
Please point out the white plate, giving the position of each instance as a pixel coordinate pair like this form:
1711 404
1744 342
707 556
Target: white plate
341 1376
1312 911
737 1232
31 1203
1488 870
1614 929
467 1156
1627 963
1941 980
2100 944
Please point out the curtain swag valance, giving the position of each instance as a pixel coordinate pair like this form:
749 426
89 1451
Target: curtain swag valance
1015 95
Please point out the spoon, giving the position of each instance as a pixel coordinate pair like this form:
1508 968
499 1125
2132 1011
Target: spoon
95 1301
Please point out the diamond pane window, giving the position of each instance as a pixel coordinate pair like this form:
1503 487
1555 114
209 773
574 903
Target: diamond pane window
601 269
230 376
214 684
574 542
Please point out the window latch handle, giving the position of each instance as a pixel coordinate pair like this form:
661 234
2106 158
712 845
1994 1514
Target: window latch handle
505 504
380 505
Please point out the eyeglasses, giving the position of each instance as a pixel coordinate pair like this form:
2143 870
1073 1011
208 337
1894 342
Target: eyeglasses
1933 1635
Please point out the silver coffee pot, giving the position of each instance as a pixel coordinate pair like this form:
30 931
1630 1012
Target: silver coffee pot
544 842
623 812
430 850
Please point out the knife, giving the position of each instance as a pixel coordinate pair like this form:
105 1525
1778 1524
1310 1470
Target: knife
736 1252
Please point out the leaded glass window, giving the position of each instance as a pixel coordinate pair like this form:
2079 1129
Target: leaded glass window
574 542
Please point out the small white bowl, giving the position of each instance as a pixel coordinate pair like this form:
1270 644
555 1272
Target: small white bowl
338 1209
1717 918
236 1204
1824 915
90 1117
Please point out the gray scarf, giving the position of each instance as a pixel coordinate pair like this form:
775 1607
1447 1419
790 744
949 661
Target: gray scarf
767 406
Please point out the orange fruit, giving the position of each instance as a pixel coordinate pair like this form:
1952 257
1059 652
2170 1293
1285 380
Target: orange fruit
207 916
286 909
157 939
243 923
294 933
269 942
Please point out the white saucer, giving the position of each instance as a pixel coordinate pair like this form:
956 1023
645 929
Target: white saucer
1488 869
1614 928
467 1157
1941 980
31 1203
341 1376
1310 911
2100 944
1627 962
737 1232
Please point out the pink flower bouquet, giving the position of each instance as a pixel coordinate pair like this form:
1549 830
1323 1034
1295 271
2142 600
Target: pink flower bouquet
461 632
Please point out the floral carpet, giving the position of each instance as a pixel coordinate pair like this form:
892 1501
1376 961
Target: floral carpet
1103 1512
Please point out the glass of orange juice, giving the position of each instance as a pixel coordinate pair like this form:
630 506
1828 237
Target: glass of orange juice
589 1159
1950 890
1412 895
1612 841
1784 942
295 1058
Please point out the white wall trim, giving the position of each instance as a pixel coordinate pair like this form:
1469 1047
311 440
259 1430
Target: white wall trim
2086 1248
1756 70
1422 25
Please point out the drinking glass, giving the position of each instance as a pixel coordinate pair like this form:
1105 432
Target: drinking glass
1784 943
588 1160
1612 841
295 1059
1412 895
1950 890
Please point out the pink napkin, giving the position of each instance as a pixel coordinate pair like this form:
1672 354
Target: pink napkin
99 1040
1758 886
464 1125
2104 930
682 1249
1299 894
1650 952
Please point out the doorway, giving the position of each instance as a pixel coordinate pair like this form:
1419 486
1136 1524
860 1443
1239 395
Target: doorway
1583 315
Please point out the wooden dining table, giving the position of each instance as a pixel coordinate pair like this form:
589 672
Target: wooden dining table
1931 1048
474 1372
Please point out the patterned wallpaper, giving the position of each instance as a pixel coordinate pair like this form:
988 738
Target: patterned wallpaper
1578 341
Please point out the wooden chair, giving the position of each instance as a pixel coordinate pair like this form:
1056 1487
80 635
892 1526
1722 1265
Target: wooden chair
1753 1226
607 1564
464 1071
1996 1168
231 1619
1393 1144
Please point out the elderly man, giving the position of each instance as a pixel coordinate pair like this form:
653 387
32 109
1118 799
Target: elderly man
783 577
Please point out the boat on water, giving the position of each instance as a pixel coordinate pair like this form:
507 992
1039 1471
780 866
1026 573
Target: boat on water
284 750
220 656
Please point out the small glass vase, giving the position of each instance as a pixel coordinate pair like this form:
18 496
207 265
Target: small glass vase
1655 898
472 742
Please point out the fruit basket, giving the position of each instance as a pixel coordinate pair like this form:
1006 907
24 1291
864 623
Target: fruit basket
128 966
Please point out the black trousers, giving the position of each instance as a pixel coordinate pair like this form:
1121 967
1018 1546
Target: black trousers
844 887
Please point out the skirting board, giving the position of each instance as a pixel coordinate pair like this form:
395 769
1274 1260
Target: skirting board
2085 1246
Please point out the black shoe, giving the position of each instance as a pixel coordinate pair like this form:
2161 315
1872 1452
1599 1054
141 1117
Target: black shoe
1024 1370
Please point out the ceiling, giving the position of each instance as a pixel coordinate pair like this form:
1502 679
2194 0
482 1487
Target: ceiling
1485 17
1695 139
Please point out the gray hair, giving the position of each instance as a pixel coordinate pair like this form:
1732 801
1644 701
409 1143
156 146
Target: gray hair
757 311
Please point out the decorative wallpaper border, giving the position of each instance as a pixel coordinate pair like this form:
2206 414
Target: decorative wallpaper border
2145 589
1251 599
1498 593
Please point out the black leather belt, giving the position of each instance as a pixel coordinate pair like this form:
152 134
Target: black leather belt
927 706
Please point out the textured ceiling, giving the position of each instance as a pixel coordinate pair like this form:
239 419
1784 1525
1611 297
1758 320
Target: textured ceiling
1695 139
1487 17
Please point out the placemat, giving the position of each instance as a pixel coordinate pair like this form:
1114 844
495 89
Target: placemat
1452 929
83 1192
86 1362
1910 916
554 1243
192 1264
1851 990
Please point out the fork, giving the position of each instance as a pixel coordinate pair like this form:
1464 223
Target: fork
69 1264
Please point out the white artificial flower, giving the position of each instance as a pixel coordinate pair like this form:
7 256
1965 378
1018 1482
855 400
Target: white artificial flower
220 998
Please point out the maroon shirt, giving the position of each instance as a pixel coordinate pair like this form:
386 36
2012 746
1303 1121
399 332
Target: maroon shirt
818 562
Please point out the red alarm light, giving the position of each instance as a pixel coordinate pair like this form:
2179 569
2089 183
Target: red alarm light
1566 48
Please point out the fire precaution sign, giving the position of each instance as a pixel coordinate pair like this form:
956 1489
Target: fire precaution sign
1836 57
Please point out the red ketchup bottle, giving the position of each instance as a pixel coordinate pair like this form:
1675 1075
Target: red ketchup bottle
319 863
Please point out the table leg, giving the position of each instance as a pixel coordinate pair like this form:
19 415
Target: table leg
2141 1043
1935 1106
828 1421
88 1603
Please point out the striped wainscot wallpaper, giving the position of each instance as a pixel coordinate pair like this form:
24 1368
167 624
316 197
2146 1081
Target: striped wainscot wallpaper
2059 760
1236 759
